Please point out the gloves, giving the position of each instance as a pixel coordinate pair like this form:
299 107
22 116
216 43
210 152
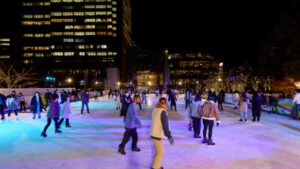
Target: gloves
218 124
171 140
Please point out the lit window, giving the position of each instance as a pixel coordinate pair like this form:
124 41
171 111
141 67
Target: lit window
68 40
79 33
4 57
79 40
90 13
68 53
81 53
91 53
104 46
101 53
90 33
27 54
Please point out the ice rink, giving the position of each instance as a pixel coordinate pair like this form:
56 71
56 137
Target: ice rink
92 142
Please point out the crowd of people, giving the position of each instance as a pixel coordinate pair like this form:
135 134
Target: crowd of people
202 108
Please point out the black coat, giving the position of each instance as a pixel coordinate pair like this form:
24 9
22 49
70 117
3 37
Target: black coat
126 101
256 104
33 104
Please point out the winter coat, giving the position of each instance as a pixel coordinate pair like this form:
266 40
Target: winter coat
256 104
220 98
85 98
187 96
131 120
243 105
195 109
53 111
126 101
210 111
2 100
21 98
12 103
160 125
34 104
66 110
172 98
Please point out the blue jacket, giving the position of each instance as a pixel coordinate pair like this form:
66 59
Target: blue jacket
85 98
131 120
34 103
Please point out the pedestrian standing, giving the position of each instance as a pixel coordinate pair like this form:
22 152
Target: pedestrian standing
243 107
12 106
131 123
36 105
195 109
210 113
160 130
21 99
296 101
85 101
52 114
66 111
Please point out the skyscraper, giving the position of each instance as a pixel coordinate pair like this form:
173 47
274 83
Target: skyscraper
76 38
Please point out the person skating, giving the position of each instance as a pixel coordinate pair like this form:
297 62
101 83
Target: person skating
21 100
195 111
85 101
172 99
243 107
131 123
96 95
12 106
144 97
139 103
160 130
256 106
36 105
2 105
126 101
296 101
66 111
187 98
236 98
210 113
118 100
220 101
52 114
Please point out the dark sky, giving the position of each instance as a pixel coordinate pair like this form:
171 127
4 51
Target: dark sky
230 30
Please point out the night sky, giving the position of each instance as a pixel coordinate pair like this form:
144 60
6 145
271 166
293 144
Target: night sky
230 30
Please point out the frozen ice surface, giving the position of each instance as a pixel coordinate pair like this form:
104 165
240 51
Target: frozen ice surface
92 142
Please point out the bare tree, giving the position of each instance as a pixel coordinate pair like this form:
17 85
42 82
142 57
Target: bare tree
14 79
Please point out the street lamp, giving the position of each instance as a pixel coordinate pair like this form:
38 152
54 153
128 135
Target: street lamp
149 83
69 80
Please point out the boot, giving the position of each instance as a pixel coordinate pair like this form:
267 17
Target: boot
241 120
58 131
121 150
136 149
190 127
204 140
210 142
196 136
43 134
245 120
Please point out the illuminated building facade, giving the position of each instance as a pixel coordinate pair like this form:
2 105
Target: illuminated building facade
5 49
76 38
190 69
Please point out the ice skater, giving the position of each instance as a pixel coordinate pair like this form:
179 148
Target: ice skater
118 100
12 106
195 111
85 101
36 105
256 106
126 101
243 107
66 111
131 123
52 114
210 113
160 130
172 99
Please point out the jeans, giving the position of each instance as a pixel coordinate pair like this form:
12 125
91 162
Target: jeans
243 115
210 125
187 103
297 108
196 125
49 122
87 107
38 111
144 99
130 133
9 111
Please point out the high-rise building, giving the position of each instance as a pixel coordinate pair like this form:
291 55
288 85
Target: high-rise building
76 39
189 68
5 48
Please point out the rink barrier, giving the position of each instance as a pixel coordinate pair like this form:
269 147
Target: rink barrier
284 106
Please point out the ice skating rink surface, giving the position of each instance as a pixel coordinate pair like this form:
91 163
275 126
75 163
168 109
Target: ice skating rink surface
92 142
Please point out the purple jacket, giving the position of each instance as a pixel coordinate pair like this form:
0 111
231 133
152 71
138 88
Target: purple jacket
53 111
